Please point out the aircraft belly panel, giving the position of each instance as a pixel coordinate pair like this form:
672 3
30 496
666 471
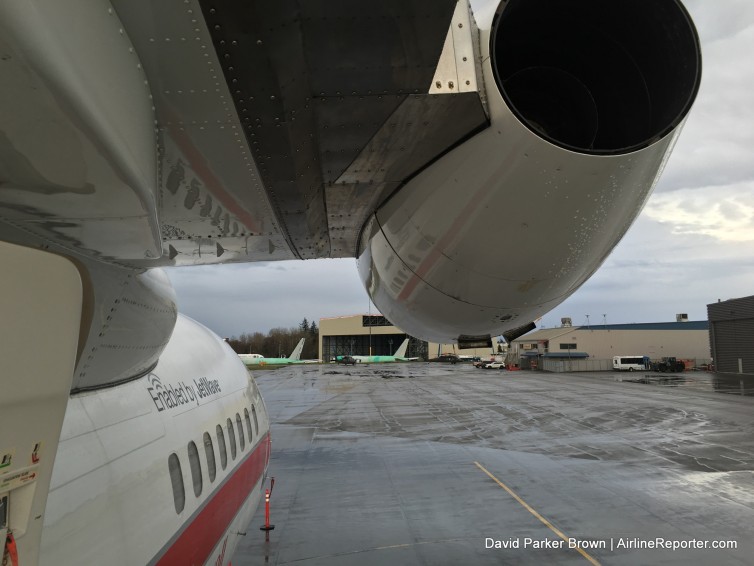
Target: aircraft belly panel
78 150
249 115
262 59
317 99
211 190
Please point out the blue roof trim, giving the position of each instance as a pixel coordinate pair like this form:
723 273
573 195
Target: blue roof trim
690 325
563 355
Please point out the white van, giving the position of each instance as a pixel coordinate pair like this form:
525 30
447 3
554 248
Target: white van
628 363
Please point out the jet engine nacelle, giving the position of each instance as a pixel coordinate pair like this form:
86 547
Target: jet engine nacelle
585 102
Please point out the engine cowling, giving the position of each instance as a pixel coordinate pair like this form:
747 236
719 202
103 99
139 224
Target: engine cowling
586 102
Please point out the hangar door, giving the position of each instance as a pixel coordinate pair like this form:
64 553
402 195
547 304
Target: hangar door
733 340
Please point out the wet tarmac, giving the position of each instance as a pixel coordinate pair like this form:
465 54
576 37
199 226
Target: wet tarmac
703 381
432 464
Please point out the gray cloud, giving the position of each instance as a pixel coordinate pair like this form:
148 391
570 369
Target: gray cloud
721 19
231 299
715 147
654 274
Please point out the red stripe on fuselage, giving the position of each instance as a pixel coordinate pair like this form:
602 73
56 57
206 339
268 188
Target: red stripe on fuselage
199 537
464 217
200 165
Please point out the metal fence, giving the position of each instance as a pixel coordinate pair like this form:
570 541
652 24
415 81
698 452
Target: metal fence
565 365
561 365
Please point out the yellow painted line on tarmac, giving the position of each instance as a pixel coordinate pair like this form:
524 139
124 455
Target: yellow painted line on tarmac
533 511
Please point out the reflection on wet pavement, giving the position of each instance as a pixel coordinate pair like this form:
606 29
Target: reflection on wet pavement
375 464
703 381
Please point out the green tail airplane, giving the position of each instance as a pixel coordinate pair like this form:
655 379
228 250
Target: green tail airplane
259 361
399 356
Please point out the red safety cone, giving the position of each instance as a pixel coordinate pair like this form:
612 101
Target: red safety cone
267 492
10 552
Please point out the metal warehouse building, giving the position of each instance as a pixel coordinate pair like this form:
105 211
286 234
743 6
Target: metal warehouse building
362 335
370 334
732 335
683 340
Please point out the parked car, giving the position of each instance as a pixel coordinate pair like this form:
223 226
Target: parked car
347 360
480 363
447 358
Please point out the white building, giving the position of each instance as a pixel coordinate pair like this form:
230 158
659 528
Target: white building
683 340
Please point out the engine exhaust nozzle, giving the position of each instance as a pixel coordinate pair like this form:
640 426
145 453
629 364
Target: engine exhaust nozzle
594 76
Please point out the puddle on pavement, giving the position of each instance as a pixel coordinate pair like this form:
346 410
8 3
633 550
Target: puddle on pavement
719 383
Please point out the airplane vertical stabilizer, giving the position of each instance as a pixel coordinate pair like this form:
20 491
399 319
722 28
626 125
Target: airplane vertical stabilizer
401 351
296 354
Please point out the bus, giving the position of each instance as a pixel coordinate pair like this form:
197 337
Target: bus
630 363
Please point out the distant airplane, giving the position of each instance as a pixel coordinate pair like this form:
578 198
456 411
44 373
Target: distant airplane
399 356
258 360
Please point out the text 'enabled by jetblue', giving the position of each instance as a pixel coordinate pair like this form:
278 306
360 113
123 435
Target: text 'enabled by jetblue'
176 395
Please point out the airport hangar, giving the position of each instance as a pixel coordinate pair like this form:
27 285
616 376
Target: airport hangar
374 335
370 334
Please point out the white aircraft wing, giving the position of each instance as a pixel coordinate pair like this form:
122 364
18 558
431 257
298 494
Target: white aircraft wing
204 134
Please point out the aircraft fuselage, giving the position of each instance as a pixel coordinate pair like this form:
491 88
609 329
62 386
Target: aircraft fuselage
177 458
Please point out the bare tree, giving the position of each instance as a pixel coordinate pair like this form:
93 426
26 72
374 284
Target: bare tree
279 342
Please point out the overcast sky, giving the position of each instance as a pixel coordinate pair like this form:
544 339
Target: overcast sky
692 244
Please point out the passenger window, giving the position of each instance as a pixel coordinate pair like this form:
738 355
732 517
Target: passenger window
209 451
240 431
196 468
248 425
221 446
254 416
231 439
176 478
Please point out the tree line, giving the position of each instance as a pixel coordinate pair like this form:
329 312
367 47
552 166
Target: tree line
279 342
